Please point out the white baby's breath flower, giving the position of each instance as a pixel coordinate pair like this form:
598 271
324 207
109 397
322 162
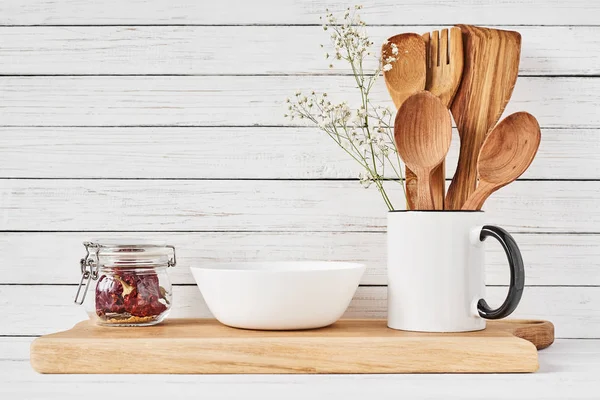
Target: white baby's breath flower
359 116
365 180
365 131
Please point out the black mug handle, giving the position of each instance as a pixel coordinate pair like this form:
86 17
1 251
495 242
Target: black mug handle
517 274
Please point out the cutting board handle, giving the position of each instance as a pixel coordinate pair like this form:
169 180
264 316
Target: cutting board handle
540 333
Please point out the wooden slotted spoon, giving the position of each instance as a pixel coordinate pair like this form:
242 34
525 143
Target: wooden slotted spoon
407 77
444 70
423 131
506 153
489 76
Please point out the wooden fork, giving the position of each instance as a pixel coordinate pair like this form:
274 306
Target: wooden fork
444 69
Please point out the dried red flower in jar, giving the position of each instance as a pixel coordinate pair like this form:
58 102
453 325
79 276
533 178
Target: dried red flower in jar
137 295
133 284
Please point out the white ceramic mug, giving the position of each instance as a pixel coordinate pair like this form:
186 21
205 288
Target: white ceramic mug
436 274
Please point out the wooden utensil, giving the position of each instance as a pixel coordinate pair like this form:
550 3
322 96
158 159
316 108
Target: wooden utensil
489 76
444 69
423 131
408 74
444 63
407 77
505 154
203 346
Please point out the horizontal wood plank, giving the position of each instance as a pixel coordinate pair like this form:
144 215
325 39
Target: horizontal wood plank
75 12
43 258
243 100
568 369
329 206
204 346
17 349
266 50
572 309
250 153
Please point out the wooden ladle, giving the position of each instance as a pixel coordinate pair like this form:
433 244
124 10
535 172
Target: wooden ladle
423 131
407 77
505 154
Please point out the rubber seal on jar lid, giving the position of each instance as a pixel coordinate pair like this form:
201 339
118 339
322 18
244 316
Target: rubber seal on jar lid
134 253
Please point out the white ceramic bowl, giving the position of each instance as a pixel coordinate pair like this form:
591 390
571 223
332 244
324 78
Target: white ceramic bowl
279 295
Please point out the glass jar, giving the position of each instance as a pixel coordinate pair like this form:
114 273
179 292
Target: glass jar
131 284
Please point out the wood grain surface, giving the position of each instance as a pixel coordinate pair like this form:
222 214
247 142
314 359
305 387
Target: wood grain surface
126 50
348 346
568 369
540 333
572 309
490 72
505 154
244 152
407 77
408 73
561 102
445 60
423 132
299 206
189 128
232 12
549 258
444 71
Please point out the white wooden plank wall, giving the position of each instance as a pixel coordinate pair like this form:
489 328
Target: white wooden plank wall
164 120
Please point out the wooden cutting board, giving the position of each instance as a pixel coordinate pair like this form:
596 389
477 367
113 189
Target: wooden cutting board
204 346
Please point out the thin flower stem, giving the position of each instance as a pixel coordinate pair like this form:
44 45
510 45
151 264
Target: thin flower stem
384 195
370 140
362 163
364 100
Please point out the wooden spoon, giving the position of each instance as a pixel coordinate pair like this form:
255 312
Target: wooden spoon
408 74
406 78
423 131
506 153
489 76
444 70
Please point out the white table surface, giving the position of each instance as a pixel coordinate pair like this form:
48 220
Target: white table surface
569 369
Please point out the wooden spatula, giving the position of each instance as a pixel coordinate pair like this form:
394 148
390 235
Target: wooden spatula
444 70
423 131
489 76
506 153
406 78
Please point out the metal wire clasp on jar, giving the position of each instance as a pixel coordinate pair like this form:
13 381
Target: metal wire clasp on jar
131 283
